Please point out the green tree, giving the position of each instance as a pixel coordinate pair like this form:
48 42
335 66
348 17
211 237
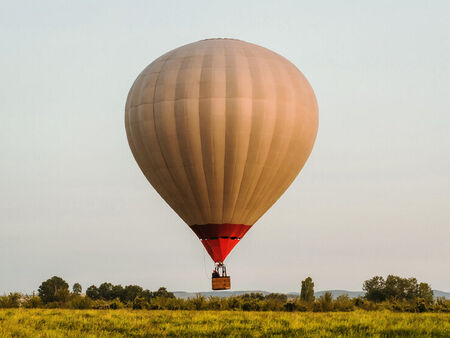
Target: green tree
105 291
396 288
307 290
54 289
131 292
375 289
76 288
411 288
163 293
92 292
117 292
147 295
425 292
400 288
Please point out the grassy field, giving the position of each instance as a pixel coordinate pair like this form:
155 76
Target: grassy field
117 323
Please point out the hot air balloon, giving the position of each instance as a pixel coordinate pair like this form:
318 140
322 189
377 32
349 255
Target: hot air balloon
221 128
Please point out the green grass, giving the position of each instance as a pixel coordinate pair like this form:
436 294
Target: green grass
138 323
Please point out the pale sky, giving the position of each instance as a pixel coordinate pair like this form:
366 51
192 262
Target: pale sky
373 198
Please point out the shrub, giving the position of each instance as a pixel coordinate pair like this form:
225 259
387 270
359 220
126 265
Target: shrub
214 303
253 295
233 303
421 305
198 303
100 304
53 305
280 297
175 304
140 303
251 305
303 306
317 306
116 304
274 302
365 304
343 303
326 302
10 301
442 304
289 306
80 302
32 302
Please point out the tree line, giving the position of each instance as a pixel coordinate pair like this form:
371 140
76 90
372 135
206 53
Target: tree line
393 293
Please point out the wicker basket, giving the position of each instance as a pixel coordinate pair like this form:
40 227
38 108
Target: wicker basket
221 283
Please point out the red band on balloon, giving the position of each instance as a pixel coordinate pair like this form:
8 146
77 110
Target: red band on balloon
207 231
220 239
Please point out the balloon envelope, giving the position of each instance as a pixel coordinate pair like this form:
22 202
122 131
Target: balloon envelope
221 128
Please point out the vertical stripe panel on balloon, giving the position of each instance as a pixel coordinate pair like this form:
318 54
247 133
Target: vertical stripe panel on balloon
212 110
263 117
188 129
286 102
239 119
282 134
165 125
287 171
303 139
141 133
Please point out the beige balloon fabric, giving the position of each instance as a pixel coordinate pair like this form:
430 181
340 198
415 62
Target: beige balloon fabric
221 128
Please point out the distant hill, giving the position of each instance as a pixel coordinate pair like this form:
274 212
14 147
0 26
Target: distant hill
444 294
221 294
335 293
